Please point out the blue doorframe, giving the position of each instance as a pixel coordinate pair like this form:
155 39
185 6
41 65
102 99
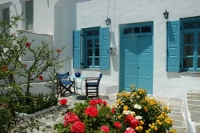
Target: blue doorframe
136 56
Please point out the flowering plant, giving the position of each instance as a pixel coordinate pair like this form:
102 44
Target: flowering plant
91 116
150 116
63 101
133 112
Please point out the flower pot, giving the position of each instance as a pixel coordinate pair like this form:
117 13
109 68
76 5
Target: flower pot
77 74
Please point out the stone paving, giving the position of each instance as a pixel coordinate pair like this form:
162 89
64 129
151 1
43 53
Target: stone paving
185 112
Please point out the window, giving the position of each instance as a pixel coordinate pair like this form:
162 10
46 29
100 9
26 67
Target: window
91 48
6 18
183 45
29 14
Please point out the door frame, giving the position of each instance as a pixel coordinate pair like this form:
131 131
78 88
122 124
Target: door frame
124 26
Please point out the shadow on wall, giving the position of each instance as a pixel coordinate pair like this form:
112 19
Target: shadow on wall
114 58
59 28
65 20
181 74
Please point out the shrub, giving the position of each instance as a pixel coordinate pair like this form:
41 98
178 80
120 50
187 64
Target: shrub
133 112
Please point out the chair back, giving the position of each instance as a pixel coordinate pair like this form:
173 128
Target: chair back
100 76
63 76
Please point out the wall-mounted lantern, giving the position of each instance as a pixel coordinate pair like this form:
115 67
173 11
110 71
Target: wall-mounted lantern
108 21
166 14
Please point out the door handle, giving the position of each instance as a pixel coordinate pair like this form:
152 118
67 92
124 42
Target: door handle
138 67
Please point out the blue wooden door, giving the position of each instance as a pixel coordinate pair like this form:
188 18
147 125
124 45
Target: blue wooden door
136 62
145 59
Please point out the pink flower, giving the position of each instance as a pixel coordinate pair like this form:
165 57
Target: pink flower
63 101
70 118
105 129
130 130
117 124
28 44
77 127
41 77
132 121
91 111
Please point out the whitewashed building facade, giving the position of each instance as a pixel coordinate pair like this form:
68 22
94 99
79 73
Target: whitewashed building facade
138 47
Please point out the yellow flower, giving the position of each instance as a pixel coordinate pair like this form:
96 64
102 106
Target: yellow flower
125 107
119 101
119 116
141 128
137 128
118 94
156 128
152 127
141 122
168 122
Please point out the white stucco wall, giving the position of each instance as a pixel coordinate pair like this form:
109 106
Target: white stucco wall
60 17
91 13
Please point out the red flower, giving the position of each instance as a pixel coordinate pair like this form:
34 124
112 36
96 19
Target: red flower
113 111
105 129
58 50
104 103
117 124
4 68
63 101
130 130
93 102
100 101
41 77
70 118
25 65
28 44
77 127
91 111
132 121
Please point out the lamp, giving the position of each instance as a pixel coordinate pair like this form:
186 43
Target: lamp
166 14
108 21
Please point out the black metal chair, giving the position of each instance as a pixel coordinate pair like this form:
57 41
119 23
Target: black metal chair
92 86
64 83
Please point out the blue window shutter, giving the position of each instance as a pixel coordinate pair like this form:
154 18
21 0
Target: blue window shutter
77 49
104 48
173 46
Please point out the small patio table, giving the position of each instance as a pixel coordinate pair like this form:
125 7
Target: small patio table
76 84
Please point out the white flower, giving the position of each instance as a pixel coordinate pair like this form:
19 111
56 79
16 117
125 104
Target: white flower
137 106
138 117
127 112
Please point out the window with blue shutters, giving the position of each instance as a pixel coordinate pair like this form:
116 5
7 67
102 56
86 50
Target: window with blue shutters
91 48
183 45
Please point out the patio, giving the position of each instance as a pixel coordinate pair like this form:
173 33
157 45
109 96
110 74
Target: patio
176 104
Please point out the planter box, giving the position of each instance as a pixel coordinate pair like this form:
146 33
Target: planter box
40 113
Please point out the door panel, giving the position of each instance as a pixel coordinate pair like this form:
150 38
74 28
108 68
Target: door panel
145 63
129 62
137 62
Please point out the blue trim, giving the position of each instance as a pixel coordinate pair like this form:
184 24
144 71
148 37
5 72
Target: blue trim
122 35
77 49
173 46
104 48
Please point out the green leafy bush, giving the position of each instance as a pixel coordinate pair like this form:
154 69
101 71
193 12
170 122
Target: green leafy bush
133 112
